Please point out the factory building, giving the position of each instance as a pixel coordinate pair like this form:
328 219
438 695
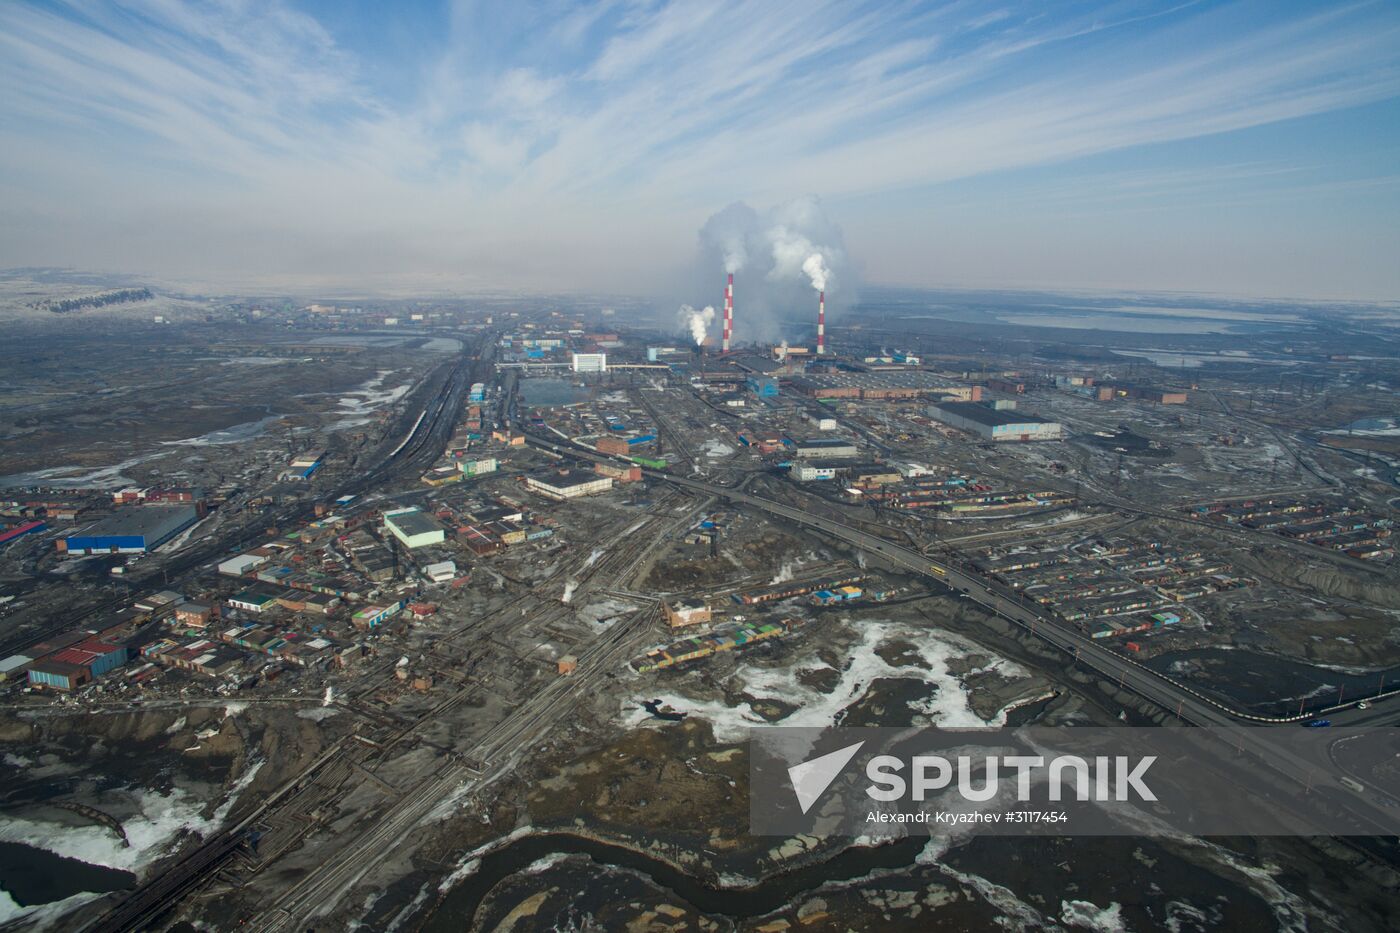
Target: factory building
822 447
1150 394
58 675
441 572
15 665
881 385
589 362
194 615
763 386
414 527
807 472
375 616
154 494
132 531
996 425
243 563
613 446
632 474
479 466
77 665
684 612
303 465
21 530
252 601
623 446
567 484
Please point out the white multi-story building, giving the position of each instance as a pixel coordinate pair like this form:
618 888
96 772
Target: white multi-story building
590 362
478 466
806 473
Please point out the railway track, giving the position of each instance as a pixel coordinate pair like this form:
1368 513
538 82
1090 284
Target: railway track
525 726
529 722
424 442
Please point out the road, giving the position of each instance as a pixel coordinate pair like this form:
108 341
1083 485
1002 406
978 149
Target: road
1315 771
455 775
501 746
422 446
1253 534
414 453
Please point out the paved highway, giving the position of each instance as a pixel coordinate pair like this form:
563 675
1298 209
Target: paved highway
1314 770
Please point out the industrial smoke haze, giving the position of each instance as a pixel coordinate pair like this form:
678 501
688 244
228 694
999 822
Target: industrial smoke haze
778 257
697 323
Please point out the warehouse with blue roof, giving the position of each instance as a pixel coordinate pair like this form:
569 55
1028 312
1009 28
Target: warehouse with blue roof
132 530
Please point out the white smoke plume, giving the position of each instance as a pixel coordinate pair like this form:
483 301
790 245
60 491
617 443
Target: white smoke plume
776 257
790 250
697 322
728 232
815 267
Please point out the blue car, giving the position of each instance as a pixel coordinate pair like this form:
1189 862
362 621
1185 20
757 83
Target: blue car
1319 723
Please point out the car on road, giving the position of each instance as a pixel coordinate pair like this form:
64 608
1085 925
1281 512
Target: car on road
1318 723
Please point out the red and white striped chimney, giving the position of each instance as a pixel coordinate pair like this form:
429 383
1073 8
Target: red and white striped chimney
728 313
821 324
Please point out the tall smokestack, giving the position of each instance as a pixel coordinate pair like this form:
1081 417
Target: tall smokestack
728 313
821 324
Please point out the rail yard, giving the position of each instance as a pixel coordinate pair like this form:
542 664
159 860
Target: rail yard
558 548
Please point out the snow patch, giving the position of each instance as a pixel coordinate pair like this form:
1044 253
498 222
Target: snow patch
40 916
1089 916
160 821
948 706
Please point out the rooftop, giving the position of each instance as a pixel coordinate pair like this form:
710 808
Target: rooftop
975 411
565 479
823 442
149 521
892 379
413 523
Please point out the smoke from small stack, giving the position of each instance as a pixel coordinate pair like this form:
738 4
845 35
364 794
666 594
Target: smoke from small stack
697 323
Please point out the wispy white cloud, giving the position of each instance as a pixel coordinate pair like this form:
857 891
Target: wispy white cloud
529 125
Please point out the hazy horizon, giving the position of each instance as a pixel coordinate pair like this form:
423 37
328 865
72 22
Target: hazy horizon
1230 149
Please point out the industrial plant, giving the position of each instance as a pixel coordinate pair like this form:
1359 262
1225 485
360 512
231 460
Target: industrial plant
659 468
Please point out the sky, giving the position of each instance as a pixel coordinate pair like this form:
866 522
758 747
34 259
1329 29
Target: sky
356 146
